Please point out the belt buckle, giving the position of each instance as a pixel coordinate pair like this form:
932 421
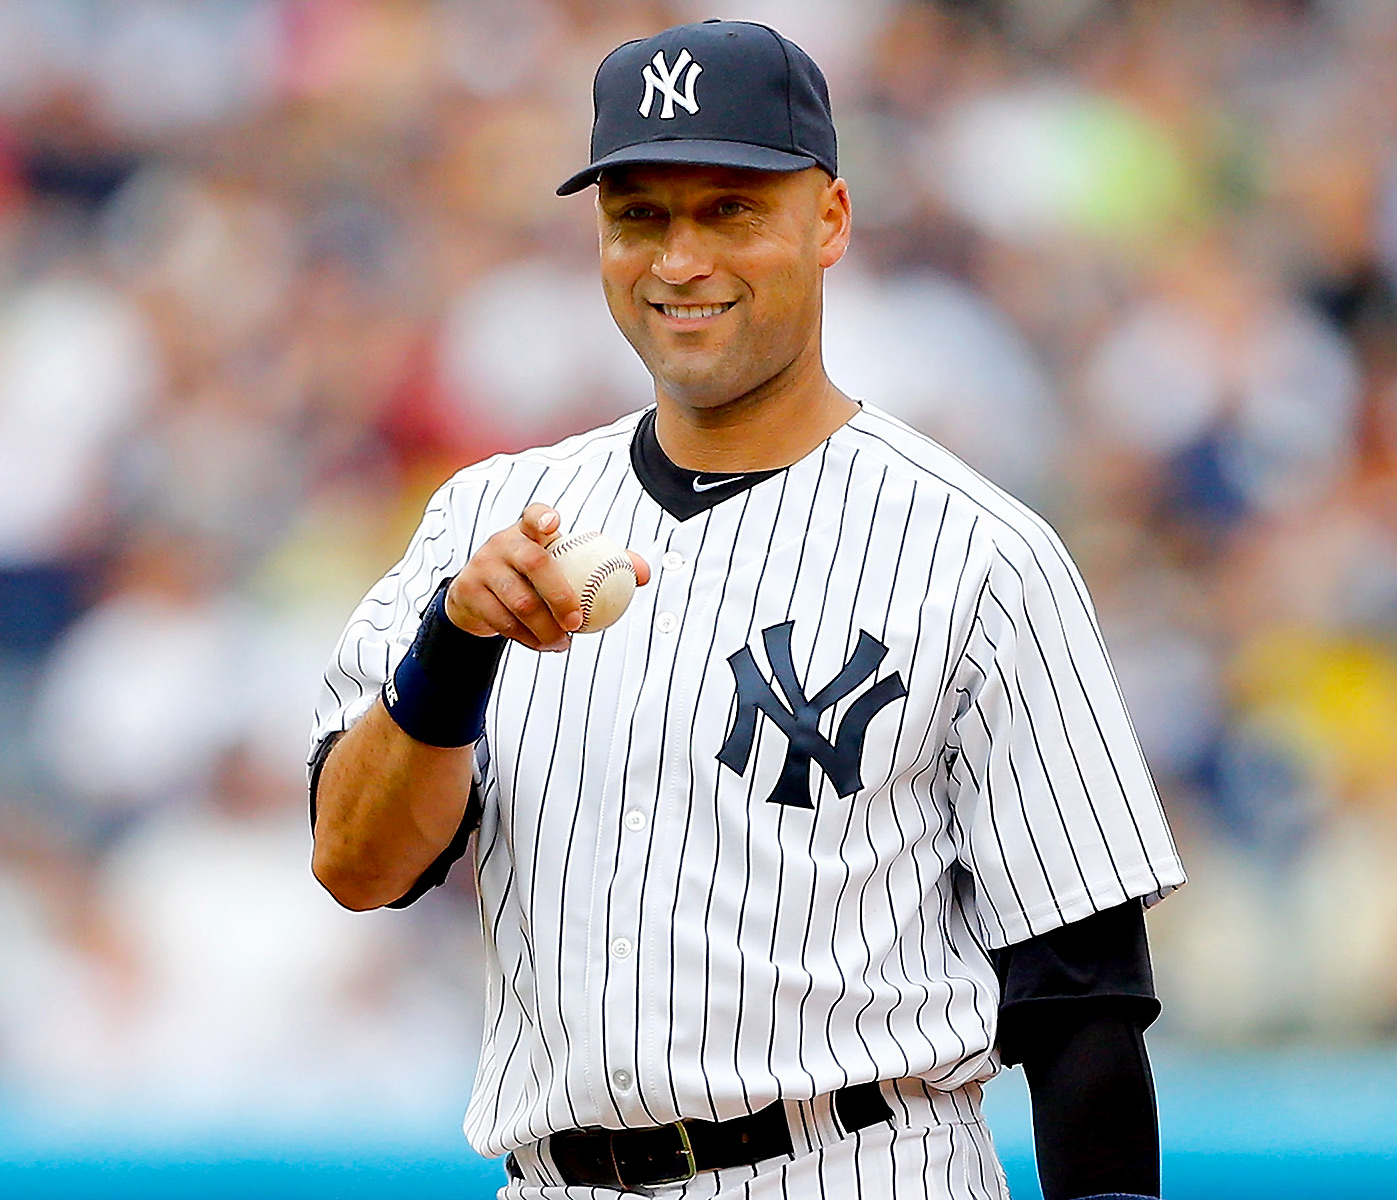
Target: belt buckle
685 1155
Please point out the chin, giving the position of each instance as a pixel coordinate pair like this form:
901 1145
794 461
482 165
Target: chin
709 383
699 389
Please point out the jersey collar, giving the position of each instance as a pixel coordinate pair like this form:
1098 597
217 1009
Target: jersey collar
680 492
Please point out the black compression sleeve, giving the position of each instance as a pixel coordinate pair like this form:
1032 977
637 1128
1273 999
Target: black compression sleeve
1095 1125
1105 954
1073 1004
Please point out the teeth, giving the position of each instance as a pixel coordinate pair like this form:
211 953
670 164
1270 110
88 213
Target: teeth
693 312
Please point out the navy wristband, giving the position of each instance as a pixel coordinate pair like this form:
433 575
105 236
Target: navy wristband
439 691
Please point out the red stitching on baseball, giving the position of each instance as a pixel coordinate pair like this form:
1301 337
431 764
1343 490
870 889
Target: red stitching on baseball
603 572
570 542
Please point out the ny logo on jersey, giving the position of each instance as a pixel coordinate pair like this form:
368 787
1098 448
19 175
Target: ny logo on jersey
660 78
840 760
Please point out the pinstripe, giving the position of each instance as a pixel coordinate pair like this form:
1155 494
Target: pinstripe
997 504
645 872
1046 775
924 941
534 1128
609 510
806 1130
781 817
1019 791
780 873
985 786
674 907
985 1162
778 952
851 810
1095 720
620 808
712 888
888 861
1062 719
843 980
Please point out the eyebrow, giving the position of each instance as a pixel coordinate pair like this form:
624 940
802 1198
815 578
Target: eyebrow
614 187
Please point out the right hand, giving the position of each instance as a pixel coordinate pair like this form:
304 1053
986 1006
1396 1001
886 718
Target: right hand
512 587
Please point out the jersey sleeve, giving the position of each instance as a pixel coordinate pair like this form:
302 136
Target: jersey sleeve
1054 810
383 625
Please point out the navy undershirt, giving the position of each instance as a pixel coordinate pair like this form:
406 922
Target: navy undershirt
680 492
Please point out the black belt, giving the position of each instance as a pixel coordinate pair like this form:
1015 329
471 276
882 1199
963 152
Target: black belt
674 1153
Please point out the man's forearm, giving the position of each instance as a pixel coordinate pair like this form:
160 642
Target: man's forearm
1095 1124
386 806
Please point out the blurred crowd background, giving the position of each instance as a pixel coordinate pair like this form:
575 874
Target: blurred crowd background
270 270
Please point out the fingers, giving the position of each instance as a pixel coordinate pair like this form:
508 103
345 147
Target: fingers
495 594
512 587
545 577
539 523
492 616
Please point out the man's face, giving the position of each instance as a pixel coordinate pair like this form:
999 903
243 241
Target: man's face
714 274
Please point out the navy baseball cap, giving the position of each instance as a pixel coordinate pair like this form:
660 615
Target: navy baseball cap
719 93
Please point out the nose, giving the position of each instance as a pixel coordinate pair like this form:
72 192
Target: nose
681 257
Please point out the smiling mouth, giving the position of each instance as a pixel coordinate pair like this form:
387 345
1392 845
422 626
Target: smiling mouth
692 312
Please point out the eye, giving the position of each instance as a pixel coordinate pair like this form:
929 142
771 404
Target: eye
637 212
730 208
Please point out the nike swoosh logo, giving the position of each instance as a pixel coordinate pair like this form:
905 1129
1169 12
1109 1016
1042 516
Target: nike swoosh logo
701 486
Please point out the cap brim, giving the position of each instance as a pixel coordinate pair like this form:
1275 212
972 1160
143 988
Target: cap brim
696 152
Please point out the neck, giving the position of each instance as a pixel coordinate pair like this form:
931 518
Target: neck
770 427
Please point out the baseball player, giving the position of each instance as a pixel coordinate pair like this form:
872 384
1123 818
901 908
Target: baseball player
842 814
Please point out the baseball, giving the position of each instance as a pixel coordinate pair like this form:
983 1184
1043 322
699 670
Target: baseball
600 572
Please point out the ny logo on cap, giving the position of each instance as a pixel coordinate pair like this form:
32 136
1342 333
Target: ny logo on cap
660 78
841 759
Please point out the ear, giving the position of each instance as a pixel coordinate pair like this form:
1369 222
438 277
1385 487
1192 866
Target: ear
836 221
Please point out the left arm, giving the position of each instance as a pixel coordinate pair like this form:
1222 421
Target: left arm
1075 1005
1065 841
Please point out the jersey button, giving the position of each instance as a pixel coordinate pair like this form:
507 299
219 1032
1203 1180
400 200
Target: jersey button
666 622
622 947
635 820
672 560
622 1079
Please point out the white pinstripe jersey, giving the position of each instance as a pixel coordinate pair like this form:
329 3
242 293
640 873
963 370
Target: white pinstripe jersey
673 935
